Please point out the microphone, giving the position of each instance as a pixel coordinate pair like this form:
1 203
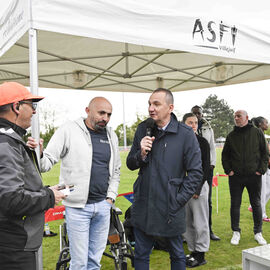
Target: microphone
150 124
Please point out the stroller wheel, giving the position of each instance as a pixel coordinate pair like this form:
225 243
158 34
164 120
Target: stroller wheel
123 266
120 265
63 260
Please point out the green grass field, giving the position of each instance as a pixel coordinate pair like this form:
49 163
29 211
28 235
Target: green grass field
222 255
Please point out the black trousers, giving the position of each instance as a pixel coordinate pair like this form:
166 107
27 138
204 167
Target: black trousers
17 260
253 184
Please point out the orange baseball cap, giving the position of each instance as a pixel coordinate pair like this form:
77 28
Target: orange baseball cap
11 92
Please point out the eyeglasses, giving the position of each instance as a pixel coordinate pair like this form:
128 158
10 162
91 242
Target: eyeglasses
33 104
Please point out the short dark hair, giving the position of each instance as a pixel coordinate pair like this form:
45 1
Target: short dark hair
197 107
5 108
258 121
169 95
187 115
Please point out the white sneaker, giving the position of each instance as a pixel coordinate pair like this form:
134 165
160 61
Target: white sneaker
259 238
235 238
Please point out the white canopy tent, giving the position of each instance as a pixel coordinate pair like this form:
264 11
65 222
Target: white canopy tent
136 46
133 45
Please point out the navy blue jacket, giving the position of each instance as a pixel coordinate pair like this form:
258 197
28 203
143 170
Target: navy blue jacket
167 178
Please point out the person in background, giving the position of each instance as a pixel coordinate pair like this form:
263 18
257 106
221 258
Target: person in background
197 211
262 123
168 157
245 159
205 130
90 160
23 198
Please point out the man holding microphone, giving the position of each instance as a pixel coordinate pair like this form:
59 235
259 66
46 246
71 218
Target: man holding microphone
169 163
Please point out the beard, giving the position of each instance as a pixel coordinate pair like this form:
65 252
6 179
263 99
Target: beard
100 126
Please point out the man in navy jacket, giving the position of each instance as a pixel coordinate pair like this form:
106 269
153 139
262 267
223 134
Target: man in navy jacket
169 163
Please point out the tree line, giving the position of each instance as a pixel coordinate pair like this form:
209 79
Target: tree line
216 111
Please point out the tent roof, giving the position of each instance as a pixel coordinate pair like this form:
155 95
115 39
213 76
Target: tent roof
119 46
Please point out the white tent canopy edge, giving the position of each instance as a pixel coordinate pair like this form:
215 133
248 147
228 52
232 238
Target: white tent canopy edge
231 29
206 44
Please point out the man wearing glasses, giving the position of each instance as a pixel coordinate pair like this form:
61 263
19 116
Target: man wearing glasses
23 198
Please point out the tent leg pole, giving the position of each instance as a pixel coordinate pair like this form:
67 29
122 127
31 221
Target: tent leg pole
34 81
217 198
124 122
35 119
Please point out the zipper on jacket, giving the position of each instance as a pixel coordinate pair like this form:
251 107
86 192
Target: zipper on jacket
164 149
244 154
34 161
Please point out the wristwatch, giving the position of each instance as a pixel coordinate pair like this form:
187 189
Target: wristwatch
109 198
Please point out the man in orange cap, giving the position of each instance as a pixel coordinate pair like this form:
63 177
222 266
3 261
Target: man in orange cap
23 198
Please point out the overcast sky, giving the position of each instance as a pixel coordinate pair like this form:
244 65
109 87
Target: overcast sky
253 97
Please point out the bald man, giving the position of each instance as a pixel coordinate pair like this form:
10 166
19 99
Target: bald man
245 160
90 161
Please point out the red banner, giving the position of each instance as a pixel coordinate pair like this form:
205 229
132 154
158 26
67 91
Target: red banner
215 181
55 213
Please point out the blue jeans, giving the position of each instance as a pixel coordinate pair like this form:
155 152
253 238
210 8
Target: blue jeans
143 247
88 230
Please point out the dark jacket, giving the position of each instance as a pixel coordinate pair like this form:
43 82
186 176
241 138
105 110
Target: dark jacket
167 178
205 155
245 151
23 199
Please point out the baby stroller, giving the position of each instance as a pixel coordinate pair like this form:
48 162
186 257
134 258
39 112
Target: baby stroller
119 249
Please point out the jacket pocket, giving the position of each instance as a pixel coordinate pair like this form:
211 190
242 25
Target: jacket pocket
174 186
12 234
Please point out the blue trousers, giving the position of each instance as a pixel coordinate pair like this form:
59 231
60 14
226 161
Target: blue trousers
88 229
143 247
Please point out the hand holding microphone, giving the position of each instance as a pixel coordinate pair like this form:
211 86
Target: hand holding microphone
147 141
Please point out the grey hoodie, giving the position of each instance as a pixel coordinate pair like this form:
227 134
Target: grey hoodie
72 144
